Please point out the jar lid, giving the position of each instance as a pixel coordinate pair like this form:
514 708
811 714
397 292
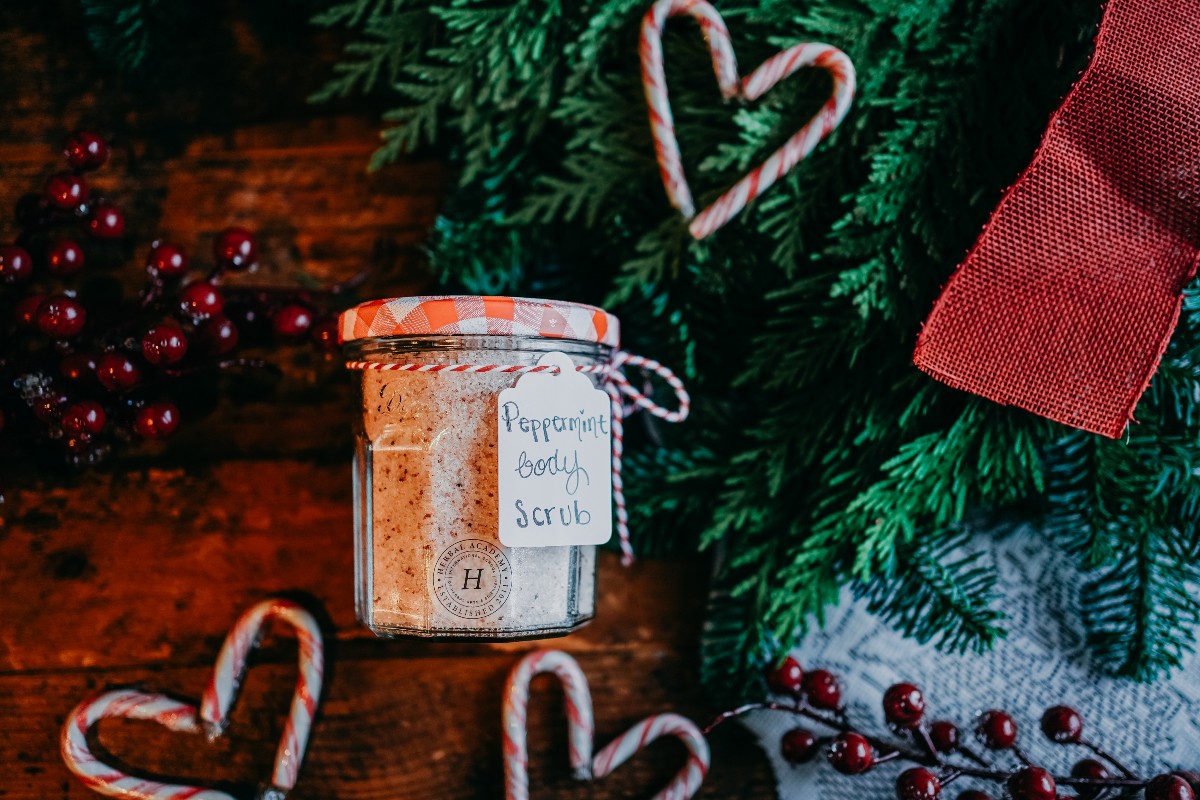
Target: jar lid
472 315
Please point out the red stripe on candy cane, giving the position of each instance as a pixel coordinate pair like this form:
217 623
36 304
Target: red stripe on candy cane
753 86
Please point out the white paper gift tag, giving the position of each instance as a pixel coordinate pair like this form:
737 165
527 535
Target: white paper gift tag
555 459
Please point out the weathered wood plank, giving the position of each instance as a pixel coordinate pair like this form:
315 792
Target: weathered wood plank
150 568
396 728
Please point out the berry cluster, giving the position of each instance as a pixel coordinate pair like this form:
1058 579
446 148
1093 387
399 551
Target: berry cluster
89 367
940 751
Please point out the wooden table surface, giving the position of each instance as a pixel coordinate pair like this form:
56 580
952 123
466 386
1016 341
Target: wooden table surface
132 574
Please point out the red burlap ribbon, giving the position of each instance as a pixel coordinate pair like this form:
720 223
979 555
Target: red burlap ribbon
1067 301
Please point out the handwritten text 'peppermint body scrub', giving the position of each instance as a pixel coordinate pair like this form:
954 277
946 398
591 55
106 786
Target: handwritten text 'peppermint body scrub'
480 493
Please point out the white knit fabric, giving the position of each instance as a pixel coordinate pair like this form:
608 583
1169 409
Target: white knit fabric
1044 661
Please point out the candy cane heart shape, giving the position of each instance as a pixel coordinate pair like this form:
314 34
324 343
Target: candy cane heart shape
751 87
581 731
211 718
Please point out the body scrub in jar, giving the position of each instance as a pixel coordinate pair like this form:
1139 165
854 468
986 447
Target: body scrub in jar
449 474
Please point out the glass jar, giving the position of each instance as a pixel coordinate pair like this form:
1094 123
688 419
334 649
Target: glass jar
428 558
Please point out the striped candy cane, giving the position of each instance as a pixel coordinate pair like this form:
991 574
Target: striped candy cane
662 121
580 727
580 730
685 783
212 716
128 704
616 384
753 86
230 670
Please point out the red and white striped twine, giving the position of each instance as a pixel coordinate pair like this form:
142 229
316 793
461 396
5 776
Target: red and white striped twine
212 715
581 731
753 86
615 384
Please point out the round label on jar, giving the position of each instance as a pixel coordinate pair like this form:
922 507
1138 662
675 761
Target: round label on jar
472 579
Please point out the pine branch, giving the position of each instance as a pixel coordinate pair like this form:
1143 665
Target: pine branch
940 593
393 36
1141 613
120 31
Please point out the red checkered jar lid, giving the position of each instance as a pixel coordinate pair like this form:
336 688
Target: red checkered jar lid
472 315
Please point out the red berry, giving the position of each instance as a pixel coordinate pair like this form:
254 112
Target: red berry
26 311
918 783
851 754
66 190
117 372
1169 787
86 150
61 317
83 417
786 678
974 794
944 735
822 690
1062 724
1032 783
201 299
1090 769
325 335
903 705
218 335
235 249
64 258
77 366
106 221
165 343
156 420
166 259
1193 778
997 730
798 746
292 321
15 264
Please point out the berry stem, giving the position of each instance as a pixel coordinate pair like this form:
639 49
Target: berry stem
737 712
928 742
978 759
251 363
1128 773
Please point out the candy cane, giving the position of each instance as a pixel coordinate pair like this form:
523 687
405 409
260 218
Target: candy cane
212 716
687 782
580 729
230 670
769 73
516 704
616 384
800 144
129 704
654 82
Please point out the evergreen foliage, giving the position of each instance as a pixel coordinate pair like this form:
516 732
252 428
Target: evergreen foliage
817 458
